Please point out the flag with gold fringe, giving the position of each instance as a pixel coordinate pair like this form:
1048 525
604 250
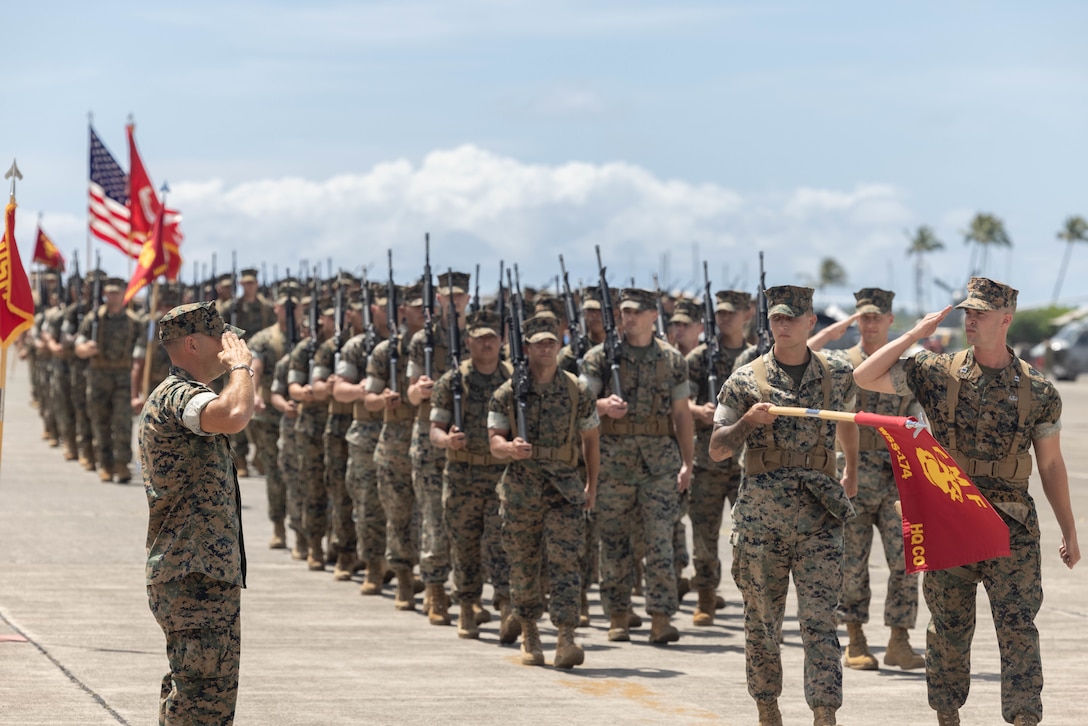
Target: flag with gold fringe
16 299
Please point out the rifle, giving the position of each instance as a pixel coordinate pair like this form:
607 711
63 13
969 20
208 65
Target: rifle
520 379
713 348
764 339
500 308
612 349
576 321
370 335
662 333
234 288
96 294
338 321
457 387
474 305
292 325
394 329
313 320
428 310
76 289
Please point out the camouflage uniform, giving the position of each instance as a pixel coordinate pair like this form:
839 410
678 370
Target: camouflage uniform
361 477
309 433
196 562
268 346
789 520
109 385
992 421
293 492
336 456
60 381
393 460
713 483
469 497
251 316
639 464
77 371
542 498
428 462
875 507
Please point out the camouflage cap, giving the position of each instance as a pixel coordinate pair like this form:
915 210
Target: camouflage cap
379 293
411 295
732 301
550 304
986 294
686 311
541 327
248 274
460 283
874 300
224 279
591 298
113 284
483 322
327 306
789 300
634 298
355 299
195 318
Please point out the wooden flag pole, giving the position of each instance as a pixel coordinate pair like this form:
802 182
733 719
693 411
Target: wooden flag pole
3 395
811 413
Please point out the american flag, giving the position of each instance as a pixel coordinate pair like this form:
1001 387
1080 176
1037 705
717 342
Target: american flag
108 204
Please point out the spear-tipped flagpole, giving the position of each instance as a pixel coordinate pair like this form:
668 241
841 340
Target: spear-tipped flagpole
910 423
13 174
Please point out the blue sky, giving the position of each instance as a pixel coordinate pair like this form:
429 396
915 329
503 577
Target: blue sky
522 130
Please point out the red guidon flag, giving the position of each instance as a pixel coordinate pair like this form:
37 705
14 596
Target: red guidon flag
947 522
150 264
46 252
16 299
144 207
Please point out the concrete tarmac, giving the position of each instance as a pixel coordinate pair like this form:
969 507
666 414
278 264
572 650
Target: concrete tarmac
78 644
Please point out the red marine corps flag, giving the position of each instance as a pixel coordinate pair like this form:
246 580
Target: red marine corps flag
16 299
144 207
152 260
45 252
947 522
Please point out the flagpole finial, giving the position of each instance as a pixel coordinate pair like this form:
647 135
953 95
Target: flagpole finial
13 174
165 188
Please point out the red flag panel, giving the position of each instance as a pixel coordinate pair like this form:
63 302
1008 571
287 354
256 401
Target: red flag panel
16 299
947 522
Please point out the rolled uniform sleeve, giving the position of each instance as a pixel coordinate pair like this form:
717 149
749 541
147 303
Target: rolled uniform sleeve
190 417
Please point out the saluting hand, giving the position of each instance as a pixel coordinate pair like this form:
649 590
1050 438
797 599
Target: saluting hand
235 351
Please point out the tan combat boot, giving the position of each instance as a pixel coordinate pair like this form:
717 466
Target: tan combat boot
279 536
345 565
704 609
633 620
509 624
823 716
661 631
857 654
1025 719
316 559
683 587
466 623
617 629
583 610
769 714
480 614
71 449
301 550
568 653
948 718
439 612
240 465
531 652
899 652
405 599
105 476
123 473
375 576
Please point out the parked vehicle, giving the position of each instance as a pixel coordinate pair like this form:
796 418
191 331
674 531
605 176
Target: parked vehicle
1065 355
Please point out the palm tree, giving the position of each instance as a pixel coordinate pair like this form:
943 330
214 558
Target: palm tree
922 242
831 274
1076 230
986 231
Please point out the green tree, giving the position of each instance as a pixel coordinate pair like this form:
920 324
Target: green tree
922 242
831 274
1075 230
986 231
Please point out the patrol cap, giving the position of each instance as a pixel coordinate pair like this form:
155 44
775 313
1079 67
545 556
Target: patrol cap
355 299
986 294
874 300
326 306
634 298
732 301
686 311
460 282
249 274
550 304
379 293
789 300
192 319
113 284
541 327
412 295
224 279
591 298
483 322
